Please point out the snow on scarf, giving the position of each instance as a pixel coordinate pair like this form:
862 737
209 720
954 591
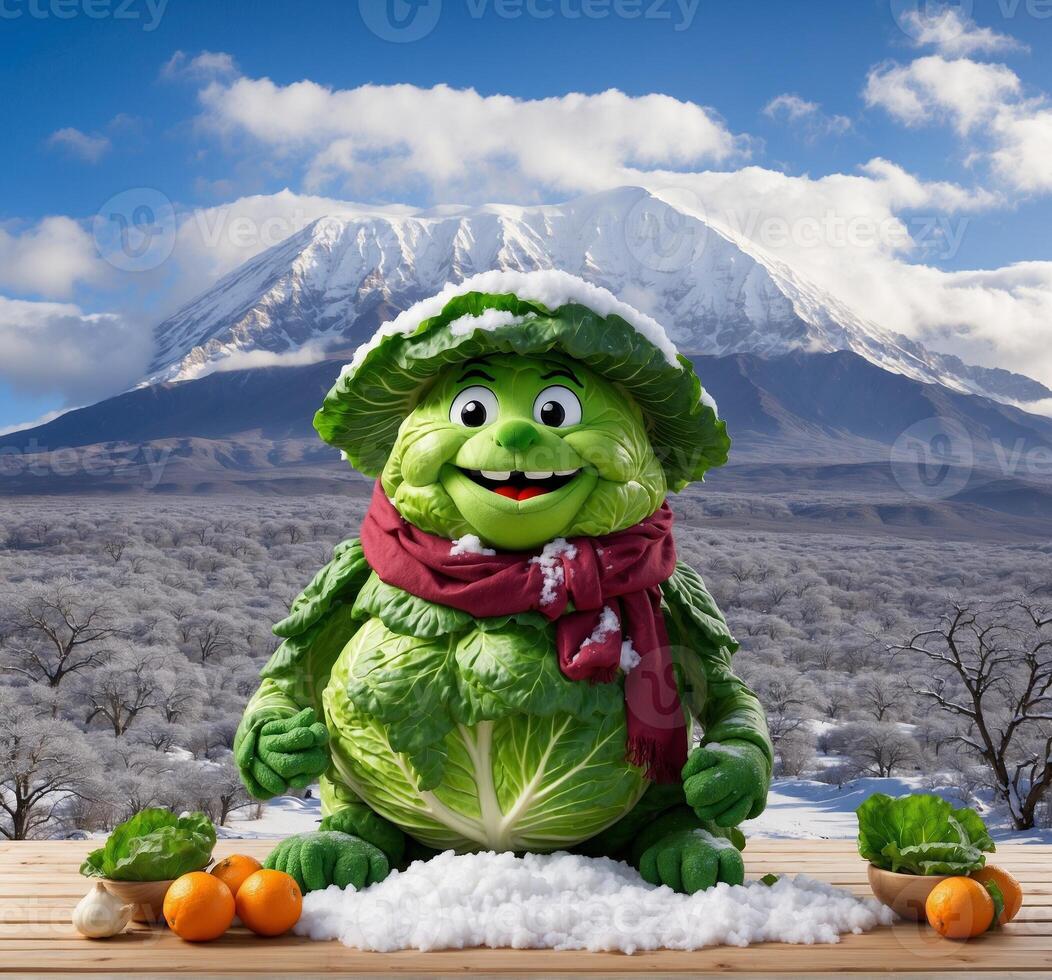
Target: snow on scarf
614 582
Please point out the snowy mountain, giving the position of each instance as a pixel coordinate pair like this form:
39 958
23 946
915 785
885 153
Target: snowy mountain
327 287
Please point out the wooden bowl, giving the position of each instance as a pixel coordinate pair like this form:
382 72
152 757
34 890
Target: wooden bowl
146 896
905 894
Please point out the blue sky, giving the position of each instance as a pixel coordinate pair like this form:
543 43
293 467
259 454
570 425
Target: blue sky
92 111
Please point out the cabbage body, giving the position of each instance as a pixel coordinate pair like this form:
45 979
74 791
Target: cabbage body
465 734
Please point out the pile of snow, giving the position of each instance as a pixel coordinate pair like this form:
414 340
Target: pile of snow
488 320
564 901
550 560
470 544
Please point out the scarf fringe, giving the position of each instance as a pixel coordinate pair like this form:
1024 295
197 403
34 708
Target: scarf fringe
659 766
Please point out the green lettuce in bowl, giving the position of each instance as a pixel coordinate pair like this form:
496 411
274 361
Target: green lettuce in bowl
921 835
154 845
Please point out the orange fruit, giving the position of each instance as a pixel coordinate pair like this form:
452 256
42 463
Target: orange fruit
232 871
1011 890
959 908
198 907
269 902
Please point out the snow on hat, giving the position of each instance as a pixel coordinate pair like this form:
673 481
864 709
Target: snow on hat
523 313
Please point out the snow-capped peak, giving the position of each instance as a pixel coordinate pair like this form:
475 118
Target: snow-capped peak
330 286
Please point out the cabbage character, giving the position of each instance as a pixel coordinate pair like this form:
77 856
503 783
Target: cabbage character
509 657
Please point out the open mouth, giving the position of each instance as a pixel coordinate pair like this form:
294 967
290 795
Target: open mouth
516 485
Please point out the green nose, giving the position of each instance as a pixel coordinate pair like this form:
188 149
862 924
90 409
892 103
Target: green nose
517 435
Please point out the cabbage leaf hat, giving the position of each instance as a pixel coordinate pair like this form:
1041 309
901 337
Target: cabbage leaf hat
525 313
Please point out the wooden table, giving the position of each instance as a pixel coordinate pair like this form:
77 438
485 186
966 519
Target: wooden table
39 885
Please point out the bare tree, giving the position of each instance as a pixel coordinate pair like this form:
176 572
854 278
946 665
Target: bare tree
44 764
180 687
878 695
795 753
217 789
789 697
114 547
122 689
155 731
61 635
212 637
876 749
838 699
993 674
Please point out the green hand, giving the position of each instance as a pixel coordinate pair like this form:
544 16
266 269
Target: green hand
691 860
726 783
283 753
358 820
328 857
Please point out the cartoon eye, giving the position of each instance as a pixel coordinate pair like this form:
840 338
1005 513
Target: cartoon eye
473 407
557 407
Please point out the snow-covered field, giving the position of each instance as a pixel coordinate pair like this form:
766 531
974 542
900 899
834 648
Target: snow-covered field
797 809
282 816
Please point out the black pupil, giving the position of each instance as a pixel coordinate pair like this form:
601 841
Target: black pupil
552 413
473 414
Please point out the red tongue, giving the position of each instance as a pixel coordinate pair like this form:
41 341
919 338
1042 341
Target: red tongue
514 493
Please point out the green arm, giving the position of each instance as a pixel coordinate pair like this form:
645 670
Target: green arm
318 626
723 704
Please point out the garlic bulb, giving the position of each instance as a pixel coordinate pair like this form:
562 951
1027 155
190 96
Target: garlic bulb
99 914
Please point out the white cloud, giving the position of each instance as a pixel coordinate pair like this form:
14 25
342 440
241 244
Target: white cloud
33 423
55 348
933 89
247 359
82 145
49 258
864 254
905 192
206 66
1023 155
791 106
985 103
952 33
807 115
384 139
994 317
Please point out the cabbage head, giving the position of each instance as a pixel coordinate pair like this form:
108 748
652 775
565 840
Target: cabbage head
465 734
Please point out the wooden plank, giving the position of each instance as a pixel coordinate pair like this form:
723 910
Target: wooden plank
241 954
62 933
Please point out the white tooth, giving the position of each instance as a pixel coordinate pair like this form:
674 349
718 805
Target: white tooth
538 474
566 472
496 474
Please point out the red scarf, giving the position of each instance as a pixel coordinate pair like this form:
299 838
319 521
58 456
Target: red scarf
620 572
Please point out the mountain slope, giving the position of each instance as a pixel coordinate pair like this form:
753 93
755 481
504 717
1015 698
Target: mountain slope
797 407
328 287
